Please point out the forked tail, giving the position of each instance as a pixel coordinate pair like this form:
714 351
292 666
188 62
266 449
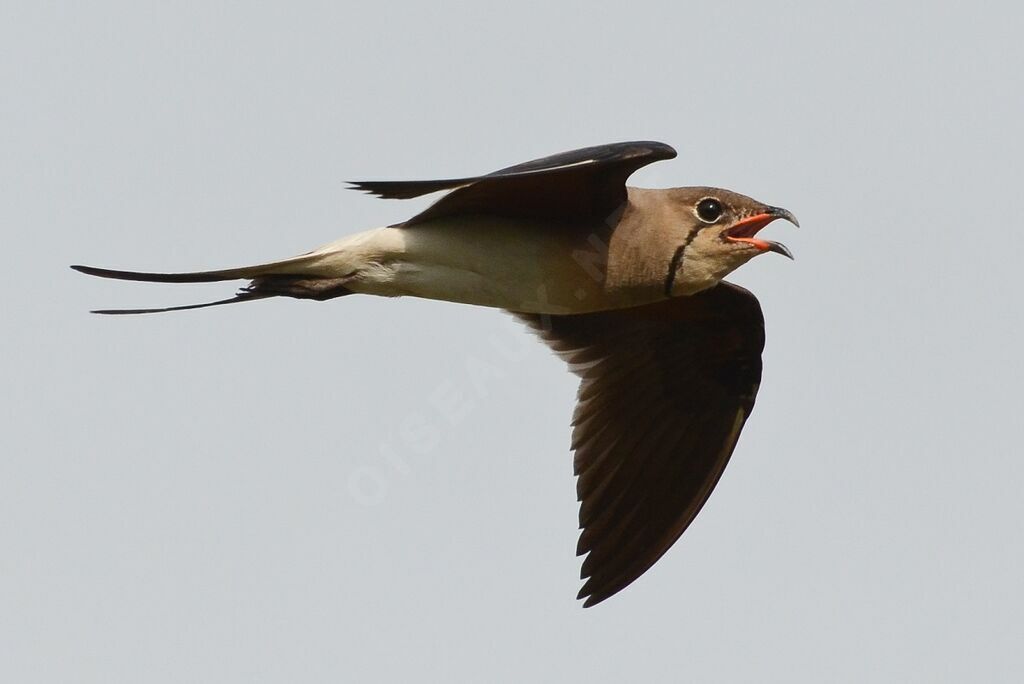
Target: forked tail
302 277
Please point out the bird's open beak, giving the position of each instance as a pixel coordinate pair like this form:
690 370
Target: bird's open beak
745 230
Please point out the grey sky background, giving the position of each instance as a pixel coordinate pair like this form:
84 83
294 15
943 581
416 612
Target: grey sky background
276 492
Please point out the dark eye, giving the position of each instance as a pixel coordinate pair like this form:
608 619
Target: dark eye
709 210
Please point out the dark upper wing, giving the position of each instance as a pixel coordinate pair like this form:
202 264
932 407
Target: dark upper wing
665 389
584 183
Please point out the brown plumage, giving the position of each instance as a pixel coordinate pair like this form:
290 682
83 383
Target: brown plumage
625 284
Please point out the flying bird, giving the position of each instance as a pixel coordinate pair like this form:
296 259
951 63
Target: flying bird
624 283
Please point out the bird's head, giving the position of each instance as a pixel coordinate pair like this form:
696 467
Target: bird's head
718 235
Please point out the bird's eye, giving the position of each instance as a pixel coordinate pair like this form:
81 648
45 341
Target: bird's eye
709 210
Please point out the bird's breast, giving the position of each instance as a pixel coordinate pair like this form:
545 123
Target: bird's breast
497 262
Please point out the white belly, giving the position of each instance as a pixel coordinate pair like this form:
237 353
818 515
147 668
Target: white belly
483 261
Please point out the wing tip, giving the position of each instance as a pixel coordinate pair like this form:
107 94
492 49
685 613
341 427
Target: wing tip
657 149
590 598
365 186
652 149
406 189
